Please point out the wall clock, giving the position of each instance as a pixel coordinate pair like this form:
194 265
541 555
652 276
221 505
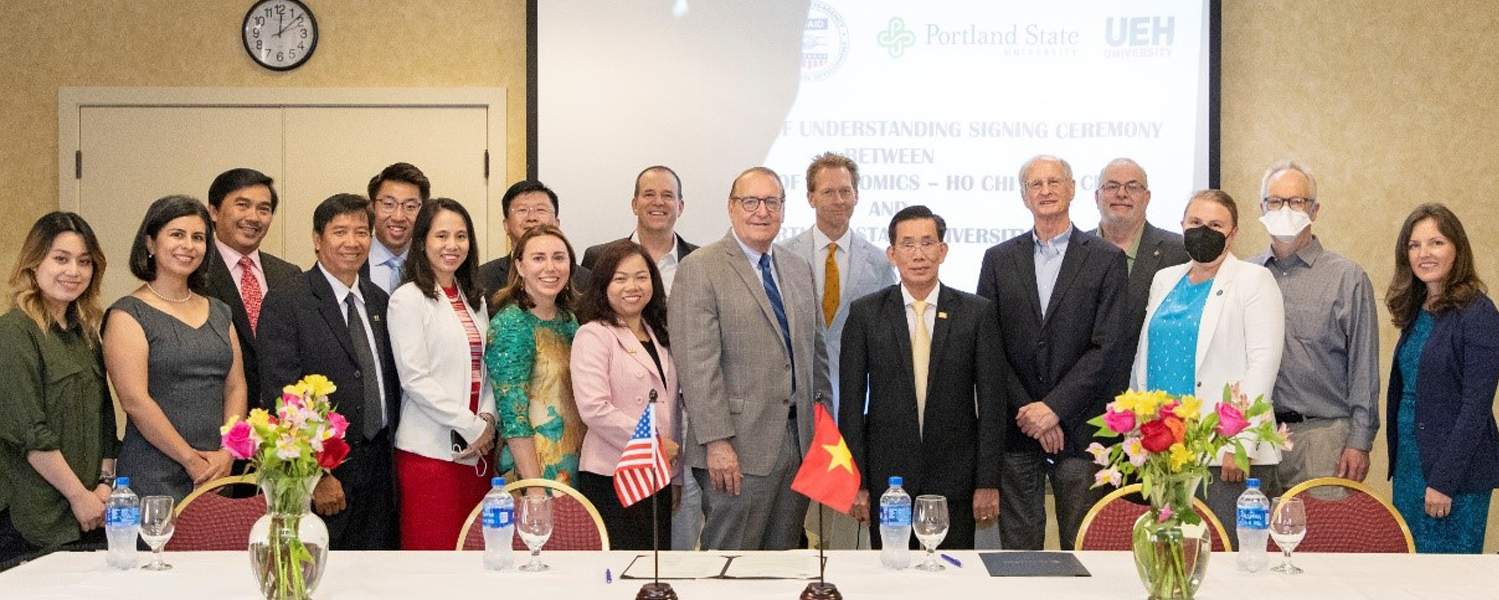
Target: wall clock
280 35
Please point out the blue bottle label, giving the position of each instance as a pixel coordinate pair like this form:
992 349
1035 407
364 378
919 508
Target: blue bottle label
496 517
122 516
895 516
1254 518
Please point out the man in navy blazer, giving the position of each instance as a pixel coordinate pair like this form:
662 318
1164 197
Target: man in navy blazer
1059 294
657 203
307 327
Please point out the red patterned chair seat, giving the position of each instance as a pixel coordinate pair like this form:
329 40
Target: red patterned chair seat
576 524
1109 523
207 520
1343 515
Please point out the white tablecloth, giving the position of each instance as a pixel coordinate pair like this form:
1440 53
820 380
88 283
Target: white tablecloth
460 576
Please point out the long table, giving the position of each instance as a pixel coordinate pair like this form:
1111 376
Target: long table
460 575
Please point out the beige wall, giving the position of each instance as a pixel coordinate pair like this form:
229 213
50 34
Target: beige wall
1391 103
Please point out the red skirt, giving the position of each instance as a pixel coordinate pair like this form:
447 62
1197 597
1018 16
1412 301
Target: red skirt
436 497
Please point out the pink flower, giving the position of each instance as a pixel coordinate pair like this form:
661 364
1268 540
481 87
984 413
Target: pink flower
1165 514
1285 433
339 423
1230 420
1100 454
1110 475
291 399
239 441
1119 422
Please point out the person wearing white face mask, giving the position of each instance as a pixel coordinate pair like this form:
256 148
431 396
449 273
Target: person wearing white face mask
1328 388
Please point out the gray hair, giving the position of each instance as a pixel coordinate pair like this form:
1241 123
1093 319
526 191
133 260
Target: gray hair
1124 162
1281 166
1066 168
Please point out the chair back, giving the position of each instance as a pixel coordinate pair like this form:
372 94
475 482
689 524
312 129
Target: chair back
1110 523
1343 515
208 520
576 524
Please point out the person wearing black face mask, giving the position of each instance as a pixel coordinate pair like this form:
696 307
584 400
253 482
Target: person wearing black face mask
1211 322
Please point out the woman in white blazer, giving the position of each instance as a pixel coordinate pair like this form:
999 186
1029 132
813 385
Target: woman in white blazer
1213 321
436 317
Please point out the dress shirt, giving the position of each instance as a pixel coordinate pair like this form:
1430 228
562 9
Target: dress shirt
341 291
1048 256
820 242
668 263
931 309
231 259
753 256
1330 368
385 275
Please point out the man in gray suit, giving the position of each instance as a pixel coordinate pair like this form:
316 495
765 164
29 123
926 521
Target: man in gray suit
1123 194
845 267
743 317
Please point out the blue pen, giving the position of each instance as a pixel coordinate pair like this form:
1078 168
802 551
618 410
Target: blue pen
952 560
608 577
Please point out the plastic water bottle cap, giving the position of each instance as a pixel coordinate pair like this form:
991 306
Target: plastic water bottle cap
896 481
498 482
1253 483
122 482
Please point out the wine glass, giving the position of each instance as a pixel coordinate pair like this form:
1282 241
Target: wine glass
1287 527
930 524
157 525
535 526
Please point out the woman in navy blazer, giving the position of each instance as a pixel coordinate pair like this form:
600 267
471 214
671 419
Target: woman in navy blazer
1442 384
619 358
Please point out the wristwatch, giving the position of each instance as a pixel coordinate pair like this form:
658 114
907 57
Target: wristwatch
106 478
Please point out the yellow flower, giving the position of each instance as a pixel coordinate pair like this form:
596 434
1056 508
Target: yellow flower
319 385
1140 403
1189 408
1179 456
259 419
298 389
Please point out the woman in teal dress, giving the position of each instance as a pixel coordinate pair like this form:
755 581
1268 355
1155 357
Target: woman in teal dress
530 346
1445 444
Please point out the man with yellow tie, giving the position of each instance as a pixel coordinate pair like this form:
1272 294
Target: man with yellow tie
929 358
845 266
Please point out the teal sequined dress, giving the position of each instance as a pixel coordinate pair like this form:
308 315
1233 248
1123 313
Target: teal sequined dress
528 359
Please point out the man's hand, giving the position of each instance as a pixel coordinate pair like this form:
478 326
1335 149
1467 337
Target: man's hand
1231 472
676 498
1438 505
1052 440
328 496
1035 418
860 509
985 504
671 449
1354 464
723 468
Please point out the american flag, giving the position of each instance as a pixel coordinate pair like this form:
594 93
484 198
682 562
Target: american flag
642 468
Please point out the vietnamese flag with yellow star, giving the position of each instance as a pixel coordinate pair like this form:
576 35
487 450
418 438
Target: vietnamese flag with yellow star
828 474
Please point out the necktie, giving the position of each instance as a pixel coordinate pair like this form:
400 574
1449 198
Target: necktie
921 354
249 291
395 264
774 294
372 413
830 286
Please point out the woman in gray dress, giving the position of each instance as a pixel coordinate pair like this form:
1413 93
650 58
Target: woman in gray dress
173 356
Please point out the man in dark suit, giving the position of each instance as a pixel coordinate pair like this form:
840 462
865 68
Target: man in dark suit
243 203
331 321
936 413
1059 294
1123 194
657 203
526 204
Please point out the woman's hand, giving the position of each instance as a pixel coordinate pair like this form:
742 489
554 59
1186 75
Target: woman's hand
1231 472
671 449
1438 505
219 464
88 509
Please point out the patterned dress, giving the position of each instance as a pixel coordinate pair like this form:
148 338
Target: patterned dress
528 362
1171 364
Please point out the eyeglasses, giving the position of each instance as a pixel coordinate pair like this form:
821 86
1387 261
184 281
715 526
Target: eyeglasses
389 205
912 247
752 204
1036 185
540 212
1133 188
1297 203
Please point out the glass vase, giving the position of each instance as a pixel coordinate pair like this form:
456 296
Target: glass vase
1171 542
289 544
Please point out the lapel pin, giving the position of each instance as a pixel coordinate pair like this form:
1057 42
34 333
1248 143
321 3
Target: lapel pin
1156 253
941 315
374 317
1220 292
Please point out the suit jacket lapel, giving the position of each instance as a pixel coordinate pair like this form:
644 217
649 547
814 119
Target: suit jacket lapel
1078 248
1025 265
331 309
895 319
946 301
1213 308
751 277
222 278
1147 260
636 350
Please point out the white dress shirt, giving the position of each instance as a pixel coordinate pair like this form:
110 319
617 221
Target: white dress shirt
667 265
231 260
340 292
820 241
385 266
931 310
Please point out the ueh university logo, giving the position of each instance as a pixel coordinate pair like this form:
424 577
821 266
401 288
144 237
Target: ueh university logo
824 42
1139 37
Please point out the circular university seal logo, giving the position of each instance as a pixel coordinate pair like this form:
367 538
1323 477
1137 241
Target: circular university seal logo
824 42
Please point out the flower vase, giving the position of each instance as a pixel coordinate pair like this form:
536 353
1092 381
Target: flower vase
289 544
1171 542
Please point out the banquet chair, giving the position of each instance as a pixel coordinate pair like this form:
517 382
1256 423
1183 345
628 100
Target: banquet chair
1109 524
208 520
1343 515
576 524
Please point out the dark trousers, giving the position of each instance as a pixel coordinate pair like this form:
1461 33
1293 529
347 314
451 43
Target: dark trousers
371 516
629 528
960 524
15 550
1022 497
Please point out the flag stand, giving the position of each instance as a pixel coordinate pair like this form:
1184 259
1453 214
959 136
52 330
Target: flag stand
821 589
655 590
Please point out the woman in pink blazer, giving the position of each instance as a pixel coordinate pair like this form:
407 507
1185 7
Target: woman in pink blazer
619 358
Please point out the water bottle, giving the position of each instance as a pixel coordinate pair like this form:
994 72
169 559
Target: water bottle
895 526
1254 527
499 527
122 523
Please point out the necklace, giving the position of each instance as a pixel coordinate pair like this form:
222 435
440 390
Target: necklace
189 295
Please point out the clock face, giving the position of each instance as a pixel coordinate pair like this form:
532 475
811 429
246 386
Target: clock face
280 34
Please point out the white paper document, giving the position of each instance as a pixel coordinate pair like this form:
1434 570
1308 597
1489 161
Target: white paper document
677 565
793 564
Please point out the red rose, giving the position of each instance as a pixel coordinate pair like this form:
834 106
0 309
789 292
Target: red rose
1156 436
1177 427
334 452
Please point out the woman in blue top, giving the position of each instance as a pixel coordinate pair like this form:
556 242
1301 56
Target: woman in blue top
1444 447
1213 321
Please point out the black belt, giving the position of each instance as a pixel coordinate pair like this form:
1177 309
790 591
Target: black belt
1290 416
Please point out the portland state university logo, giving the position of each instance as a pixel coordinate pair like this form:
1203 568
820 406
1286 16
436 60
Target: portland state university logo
896 38
824 42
